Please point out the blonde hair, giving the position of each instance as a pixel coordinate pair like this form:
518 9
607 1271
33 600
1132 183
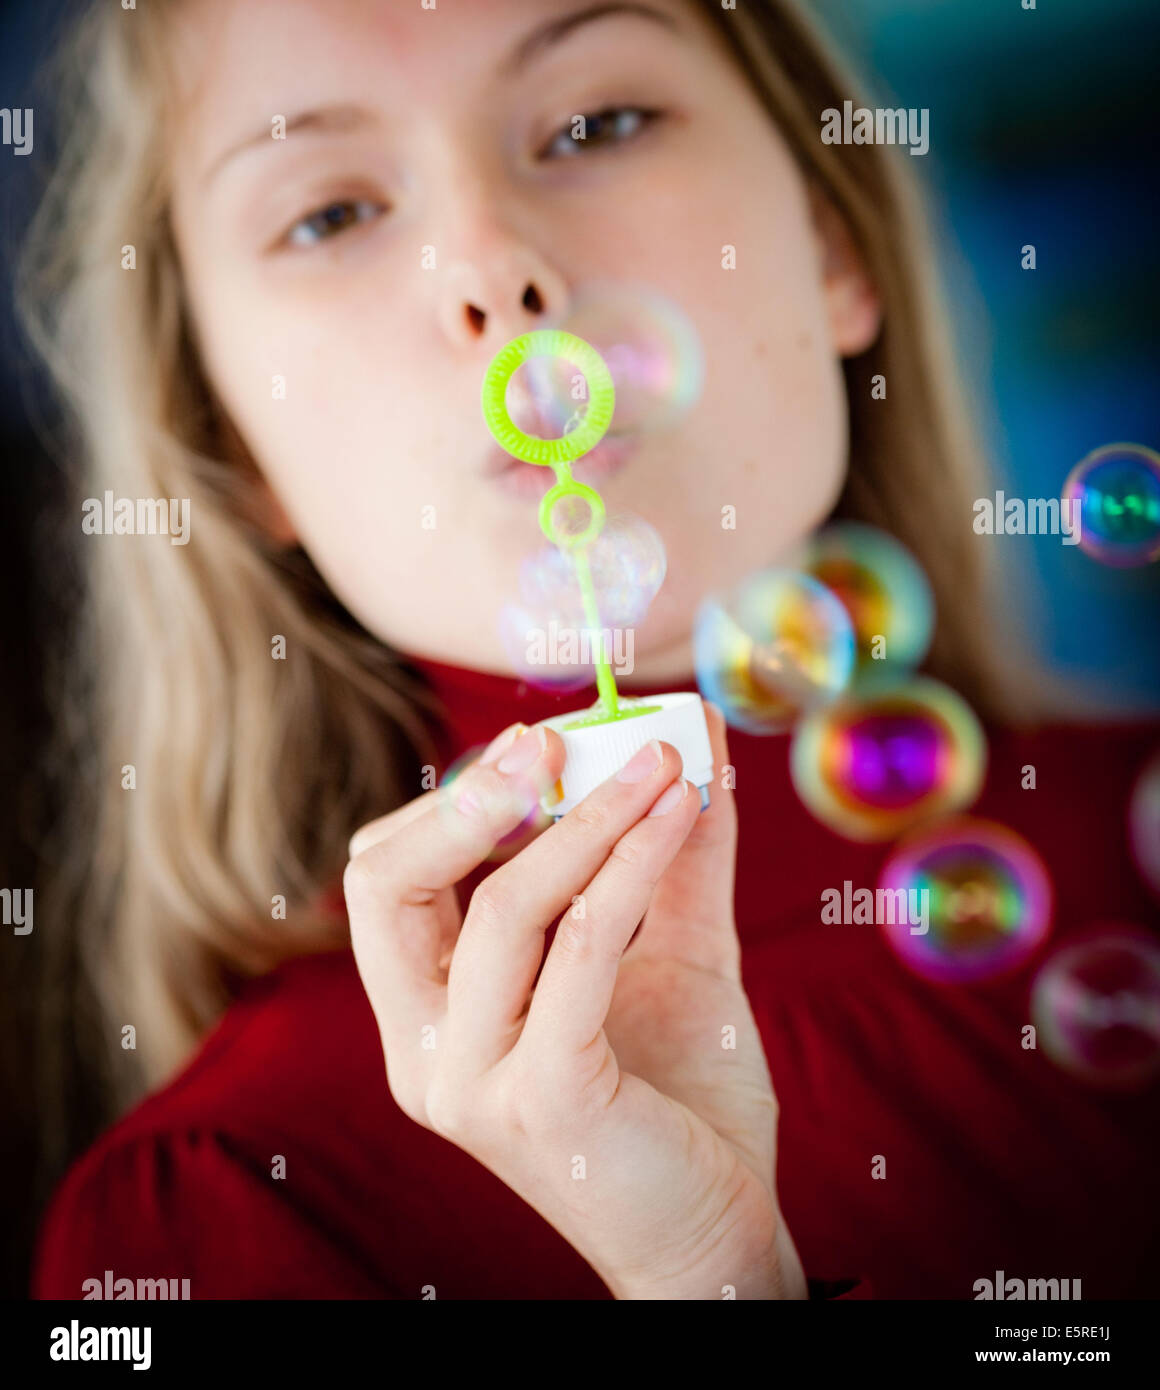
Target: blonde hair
251 774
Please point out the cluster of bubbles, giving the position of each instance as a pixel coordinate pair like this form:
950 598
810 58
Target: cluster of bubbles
655 358
1118 492
853 614
1096 1007
827 649
987 904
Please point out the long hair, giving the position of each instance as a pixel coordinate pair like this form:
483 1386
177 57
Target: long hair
207 783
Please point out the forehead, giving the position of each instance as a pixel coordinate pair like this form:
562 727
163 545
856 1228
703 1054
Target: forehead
231 50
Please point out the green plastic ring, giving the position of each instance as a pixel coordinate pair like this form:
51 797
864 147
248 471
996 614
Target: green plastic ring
548 342
571 488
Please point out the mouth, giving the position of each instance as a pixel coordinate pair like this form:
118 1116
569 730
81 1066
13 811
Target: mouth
531 480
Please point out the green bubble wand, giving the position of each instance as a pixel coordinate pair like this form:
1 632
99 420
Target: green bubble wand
601 741
559 454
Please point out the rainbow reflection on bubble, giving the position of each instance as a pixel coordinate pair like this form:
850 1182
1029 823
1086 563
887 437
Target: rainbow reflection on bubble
779 645
650 347
1095 1005
1144 823
1118 491
885 593
987 903
872 767
523 787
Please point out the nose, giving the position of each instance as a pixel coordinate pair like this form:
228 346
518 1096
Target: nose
501 290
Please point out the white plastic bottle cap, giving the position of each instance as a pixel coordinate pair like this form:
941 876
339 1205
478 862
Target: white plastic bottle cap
596 752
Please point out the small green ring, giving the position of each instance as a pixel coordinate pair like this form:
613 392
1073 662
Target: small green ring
571 488
548 342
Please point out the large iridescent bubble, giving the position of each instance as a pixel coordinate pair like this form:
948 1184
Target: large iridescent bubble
871 767
979 889
1095 1005
779 645
1144 823
885 593
546 633
1118 492
649 345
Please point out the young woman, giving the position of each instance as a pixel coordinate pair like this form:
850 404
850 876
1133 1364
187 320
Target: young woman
230 282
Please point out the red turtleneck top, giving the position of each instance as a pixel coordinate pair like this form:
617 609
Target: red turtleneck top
994 1159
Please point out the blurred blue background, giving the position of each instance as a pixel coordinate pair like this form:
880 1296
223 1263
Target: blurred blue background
1042 131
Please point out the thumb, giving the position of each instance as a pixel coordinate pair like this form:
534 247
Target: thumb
690 916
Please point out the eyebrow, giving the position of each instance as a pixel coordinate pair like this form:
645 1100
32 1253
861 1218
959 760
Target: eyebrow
550 34
344 118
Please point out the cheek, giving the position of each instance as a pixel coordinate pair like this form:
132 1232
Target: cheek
769 437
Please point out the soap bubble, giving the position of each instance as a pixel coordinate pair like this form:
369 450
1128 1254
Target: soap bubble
1118 491
627 563
885 593
872 767
780 644
1144 823
987 903
548 647
547 634
522 787
1095 1005
547 397
649 346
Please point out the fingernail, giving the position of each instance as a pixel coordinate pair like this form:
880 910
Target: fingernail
671 797
638 767
500 744
524 751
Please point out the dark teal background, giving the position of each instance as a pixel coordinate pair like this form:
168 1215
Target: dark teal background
1043 131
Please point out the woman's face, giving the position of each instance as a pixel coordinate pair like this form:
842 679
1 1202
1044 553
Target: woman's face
353 371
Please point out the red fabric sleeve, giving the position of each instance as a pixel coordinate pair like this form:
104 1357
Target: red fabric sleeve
190 1206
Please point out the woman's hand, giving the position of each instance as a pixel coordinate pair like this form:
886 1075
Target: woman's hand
624 1094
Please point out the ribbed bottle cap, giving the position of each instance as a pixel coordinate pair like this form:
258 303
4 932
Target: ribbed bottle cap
595 752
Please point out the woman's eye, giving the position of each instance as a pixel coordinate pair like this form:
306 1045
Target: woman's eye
611 126
330 220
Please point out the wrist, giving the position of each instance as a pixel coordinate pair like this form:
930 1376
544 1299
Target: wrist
769 1269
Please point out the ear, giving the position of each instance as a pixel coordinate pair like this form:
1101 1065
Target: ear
261 504
853 306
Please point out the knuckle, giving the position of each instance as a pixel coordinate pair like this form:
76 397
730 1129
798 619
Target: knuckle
410 1098
579 944
590 817
626 853
363 879
492 905
445 1109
